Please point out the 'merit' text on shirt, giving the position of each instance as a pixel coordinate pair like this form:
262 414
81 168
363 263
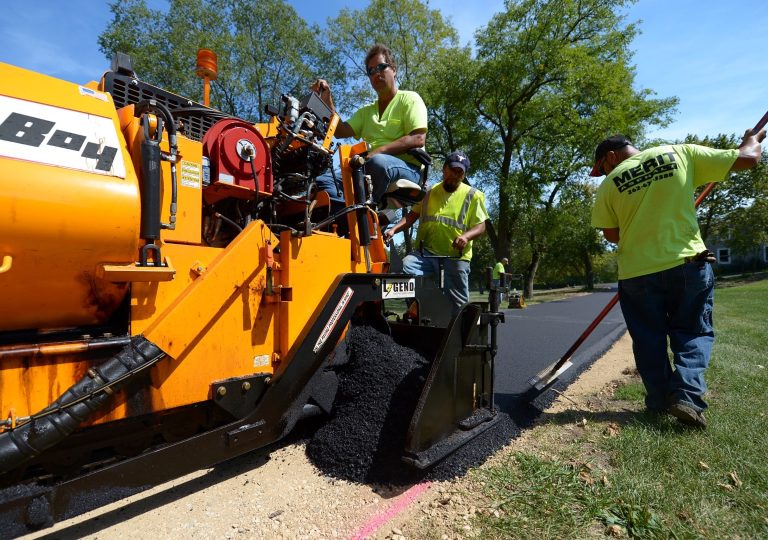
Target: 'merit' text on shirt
650 170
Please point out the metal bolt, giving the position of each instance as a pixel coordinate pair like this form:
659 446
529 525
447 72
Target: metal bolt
246 386
376 282
267 380
221 391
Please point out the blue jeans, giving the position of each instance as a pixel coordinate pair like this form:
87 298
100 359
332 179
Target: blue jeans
331 182
674 304
496 283
383 168
455 275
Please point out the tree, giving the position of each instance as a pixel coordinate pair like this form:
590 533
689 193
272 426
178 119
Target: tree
576 243
748 228
264 49
551 78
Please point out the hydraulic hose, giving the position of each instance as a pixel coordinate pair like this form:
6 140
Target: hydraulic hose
57 421
170 125
358 180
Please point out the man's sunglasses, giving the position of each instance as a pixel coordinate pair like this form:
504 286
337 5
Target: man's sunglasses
376 69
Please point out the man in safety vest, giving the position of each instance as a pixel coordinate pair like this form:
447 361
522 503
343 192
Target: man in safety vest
451 216
500 268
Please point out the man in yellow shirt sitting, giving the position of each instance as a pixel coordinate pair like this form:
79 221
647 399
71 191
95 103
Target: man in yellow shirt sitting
392 125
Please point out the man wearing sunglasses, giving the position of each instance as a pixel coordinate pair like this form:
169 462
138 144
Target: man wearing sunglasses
392 125
646 205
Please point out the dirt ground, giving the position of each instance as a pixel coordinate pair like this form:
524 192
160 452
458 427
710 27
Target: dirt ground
283 496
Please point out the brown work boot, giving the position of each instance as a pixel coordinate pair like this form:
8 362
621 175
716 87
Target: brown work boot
687 415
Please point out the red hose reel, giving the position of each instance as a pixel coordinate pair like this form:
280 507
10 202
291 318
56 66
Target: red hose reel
234 148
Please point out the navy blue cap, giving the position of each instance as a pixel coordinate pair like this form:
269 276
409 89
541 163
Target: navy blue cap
457 159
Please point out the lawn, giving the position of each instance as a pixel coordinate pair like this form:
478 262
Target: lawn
650 477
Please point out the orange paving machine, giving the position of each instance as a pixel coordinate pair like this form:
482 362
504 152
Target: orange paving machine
173 289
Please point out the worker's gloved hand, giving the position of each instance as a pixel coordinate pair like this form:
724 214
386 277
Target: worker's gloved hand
704 256
320 86
460 242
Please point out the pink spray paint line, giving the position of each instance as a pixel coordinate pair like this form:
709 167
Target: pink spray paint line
398 506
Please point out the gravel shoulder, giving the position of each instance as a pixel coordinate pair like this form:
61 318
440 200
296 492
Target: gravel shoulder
283 496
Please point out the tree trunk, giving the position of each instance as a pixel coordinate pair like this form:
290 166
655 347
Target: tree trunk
531 273
503 230
589 271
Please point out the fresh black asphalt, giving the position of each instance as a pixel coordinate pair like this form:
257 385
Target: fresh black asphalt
534 338
363 441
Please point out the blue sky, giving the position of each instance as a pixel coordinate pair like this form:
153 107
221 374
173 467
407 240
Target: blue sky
708 53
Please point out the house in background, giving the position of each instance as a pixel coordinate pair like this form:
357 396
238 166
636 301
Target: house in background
731 260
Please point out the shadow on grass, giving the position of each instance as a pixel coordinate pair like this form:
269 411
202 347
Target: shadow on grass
660 422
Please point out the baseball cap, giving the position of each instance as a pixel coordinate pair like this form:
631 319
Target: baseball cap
611 143
457 159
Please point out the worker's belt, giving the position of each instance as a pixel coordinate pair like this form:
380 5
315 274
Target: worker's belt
704 256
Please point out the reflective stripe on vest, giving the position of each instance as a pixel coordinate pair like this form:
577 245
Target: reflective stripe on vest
456 223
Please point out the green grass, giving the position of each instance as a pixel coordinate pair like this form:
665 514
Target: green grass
632 391
655 478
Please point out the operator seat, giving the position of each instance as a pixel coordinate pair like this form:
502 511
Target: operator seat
404 192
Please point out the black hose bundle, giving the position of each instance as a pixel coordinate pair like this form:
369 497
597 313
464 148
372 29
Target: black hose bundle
54 423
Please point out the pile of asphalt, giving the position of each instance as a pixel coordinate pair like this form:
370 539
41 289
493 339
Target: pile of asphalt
378 389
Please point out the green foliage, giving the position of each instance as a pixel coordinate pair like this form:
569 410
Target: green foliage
413 31
264 49
606 268
534 87
573 243
747 227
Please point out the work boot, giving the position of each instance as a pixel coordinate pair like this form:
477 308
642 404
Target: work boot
687 415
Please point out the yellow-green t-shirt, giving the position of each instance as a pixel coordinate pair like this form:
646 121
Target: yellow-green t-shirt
405 113
448 215
649 197
497 270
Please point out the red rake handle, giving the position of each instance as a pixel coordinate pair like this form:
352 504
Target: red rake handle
706 191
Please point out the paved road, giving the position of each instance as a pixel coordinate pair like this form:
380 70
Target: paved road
534 338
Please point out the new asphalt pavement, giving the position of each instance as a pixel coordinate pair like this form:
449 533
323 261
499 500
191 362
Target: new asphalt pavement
534 338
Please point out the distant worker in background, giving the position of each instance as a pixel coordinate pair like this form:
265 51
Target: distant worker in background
500 268
451 216
392 125
666 283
